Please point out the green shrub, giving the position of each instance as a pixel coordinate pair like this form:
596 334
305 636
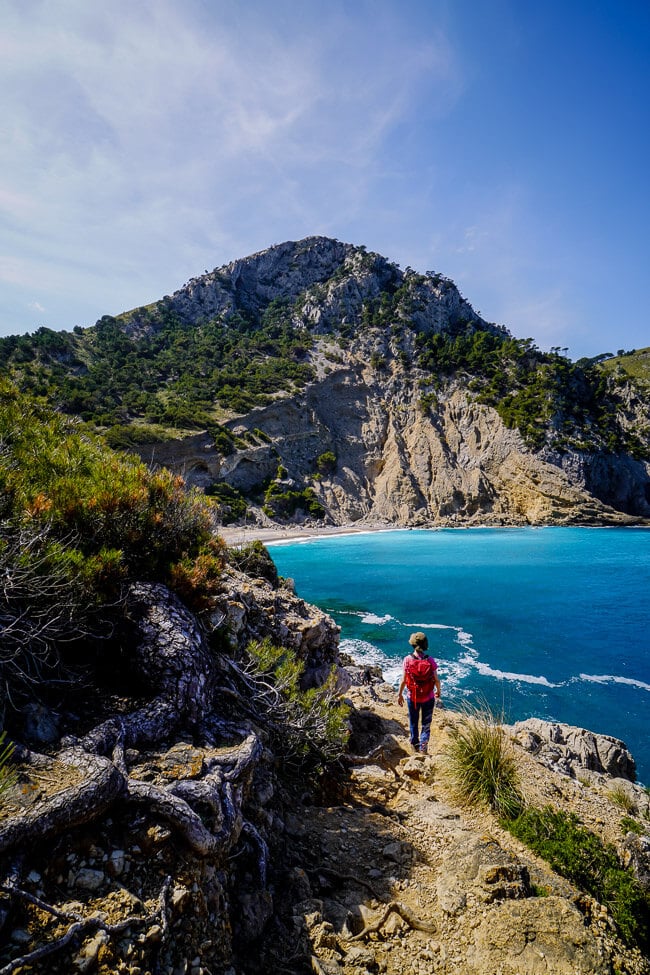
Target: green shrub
629 825
255 561
481 765
583 858
326 462
281 502
78 522
91 499
232 503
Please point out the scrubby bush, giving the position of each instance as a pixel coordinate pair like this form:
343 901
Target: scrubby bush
232 503
255 561
281 502
53 474
583 858
326 462
78 522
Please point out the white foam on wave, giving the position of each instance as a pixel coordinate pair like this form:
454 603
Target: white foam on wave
430 626
367 654
486 671
375 620
470 661
614 679
465 639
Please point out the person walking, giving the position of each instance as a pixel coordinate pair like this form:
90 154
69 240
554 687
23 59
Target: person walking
420 678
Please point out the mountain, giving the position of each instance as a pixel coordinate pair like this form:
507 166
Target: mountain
317 380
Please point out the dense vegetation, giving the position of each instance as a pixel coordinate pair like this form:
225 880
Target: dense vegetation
579 855
163 373
548 398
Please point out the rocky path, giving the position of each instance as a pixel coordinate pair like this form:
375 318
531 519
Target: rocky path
397 879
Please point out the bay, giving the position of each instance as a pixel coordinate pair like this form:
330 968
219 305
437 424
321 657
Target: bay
537 622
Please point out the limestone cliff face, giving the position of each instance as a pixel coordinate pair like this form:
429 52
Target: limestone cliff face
403 462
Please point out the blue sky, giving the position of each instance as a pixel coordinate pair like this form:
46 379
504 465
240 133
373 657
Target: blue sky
503 143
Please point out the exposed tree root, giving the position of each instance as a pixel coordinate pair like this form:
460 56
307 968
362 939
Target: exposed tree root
193 694
404 912
172 657
80 926
101 785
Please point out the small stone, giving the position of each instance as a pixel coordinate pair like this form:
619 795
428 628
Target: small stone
87 957
89 879
392 851
179 898
156 836
116 861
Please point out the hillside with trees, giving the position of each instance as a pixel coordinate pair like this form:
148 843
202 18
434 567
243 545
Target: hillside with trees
280 325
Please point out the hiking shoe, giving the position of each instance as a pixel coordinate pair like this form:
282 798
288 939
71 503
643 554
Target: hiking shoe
424 749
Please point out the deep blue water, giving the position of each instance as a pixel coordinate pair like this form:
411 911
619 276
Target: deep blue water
552 622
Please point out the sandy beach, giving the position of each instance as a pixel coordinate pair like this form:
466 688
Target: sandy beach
237 535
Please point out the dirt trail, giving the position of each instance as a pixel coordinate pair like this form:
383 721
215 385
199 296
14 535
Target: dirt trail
397 878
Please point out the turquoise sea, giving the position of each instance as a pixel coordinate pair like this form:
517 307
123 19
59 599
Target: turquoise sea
550 622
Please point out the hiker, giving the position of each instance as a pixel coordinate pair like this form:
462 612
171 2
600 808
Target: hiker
420 678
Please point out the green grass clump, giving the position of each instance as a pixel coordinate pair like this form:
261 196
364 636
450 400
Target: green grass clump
8 774
621 798
481 765
581 856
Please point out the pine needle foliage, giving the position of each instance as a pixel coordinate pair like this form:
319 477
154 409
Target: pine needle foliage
311 725
481 765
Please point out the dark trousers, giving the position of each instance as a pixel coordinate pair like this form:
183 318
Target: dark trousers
417 712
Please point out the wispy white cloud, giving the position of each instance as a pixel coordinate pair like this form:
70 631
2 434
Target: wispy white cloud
141 143
139 139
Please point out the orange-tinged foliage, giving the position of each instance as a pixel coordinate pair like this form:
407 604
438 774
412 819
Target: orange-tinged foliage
97 502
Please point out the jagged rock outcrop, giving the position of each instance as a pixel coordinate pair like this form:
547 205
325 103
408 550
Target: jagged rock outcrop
401 464
254 610
574 750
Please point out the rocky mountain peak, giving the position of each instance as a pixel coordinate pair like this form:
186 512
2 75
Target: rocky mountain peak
281 272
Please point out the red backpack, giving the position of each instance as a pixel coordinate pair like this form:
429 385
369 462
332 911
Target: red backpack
420 678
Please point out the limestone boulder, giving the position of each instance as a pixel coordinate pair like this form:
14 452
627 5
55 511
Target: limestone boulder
534 937
568 749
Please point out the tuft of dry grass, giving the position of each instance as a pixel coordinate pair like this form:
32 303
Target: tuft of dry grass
481 765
